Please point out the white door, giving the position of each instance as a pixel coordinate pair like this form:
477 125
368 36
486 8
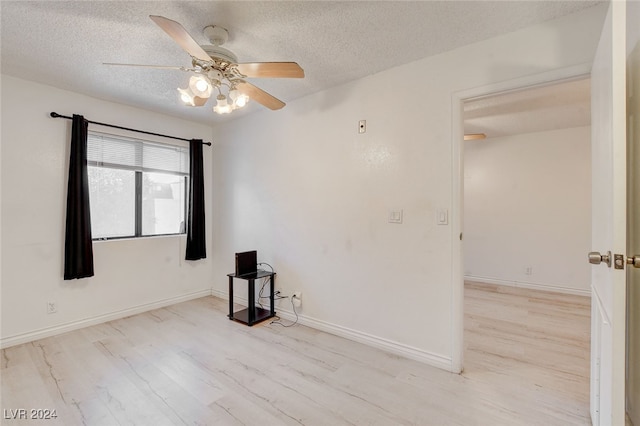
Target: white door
633 211
609 223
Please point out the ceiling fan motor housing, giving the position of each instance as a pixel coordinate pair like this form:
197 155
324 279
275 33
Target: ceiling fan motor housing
220 53
217 37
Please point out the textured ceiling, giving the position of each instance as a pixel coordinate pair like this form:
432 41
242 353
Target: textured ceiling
537 109
64 44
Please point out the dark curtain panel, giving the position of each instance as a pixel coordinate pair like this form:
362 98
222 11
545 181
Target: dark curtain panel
196 247
78 247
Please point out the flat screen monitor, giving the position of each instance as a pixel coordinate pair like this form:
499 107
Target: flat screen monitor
246 262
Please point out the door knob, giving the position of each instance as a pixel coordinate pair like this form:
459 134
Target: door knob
634 260
596 258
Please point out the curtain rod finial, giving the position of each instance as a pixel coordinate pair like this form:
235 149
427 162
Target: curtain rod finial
54 115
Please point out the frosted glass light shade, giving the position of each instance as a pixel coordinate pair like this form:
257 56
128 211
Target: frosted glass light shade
222 107
190 99
186 96
200 86
239 99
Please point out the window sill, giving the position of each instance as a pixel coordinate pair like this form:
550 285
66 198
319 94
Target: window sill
143 238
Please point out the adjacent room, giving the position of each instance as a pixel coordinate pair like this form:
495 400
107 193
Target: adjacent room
527 223
146 145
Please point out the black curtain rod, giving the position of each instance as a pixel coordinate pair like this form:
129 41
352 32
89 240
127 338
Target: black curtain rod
56 115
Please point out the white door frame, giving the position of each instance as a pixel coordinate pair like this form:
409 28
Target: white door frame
457 179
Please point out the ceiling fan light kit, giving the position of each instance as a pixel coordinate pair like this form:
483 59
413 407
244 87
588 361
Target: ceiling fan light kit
214 75
201 87
217 69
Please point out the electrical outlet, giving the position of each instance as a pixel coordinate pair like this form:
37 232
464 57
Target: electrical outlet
296 298
52 307
528 270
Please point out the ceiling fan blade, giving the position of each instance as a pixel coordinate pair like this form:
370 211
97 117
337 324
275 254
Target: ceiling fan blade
271 70
260 96
160 67
198 101
181 36
474 136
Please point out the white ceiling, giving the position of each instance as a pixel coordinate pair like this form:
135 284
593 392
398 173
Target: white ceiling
64 43
550 107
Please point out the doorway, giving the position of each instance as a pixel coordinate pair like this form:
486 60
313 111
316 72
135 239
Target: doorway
527 222
457 217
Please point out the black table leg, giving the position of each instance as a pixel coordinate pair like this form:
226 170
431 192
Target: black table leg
271 295
230 298
252 303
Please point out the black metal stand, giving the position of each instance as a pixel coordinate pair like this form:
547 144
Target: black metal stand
252 314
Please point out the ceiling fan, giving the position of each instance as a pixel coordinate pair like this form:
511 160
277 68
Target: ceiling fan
217 69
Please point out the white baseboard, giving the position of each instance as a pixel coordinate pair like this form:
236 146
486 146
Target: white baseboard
42 333
400 349
224 295
387 345
391 346
529 285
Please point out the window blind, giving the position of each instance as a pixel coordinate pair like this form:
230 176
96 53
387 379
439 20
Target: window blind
106 150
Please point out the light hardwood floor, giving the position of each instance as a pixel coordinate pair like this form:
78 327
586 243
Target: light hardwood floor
526 363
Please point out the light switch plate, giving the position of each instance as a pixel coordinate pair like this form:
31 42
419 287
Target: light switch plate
395 216
443 217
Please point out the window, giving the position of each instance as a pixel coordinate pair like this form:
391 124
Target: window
137 188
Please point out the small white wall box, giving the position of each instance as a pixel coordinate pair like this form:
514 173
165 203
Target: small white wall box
443 217
395 216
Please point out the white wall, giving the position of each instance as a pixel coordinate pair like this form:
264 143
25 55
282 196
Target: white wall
312 195
527 203
130 275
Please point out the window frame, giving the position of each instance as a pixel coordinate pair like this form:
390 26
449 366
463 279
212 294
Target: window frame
138 179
